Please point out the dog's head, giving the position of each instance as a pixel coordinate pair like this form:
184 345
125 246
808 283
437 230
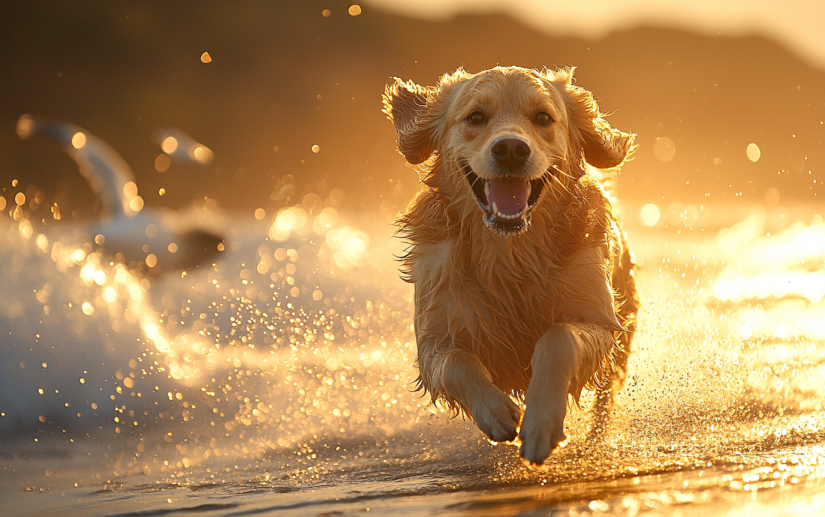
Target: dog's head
507 138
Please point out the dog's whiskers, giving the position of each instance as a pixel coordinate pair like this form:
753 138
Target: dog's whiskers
555 185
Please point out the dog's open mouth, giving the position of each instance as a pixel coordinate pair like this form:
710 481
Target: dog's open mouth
506 201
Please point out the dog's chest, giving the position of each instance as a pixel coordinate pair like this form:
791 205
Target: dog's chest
484 289
520 293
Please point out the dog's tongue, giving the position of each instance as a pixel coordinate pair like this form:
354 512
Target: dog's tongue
509 195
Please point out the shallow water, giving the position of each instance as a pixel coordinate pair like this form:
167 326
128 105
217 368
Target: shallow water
279 380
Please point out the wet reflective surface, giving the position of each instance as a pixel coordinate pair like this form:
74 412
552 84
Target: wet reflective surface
278 379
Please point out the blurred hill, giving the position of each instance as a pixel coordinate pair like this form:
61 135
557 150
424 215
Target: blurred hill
284 77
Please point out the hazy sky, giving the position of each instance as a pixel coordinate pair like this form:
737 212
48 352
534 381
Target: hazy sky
798 24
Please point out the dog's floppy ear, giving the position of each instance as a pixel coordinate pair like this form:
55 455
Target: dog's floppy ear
406 105
603 146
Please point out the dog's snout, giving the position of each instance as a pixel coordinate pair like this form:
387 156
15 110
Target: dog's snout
510 152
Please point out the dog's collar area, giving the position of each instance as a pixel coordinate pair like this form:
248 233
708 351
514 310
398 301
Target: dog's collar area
507 224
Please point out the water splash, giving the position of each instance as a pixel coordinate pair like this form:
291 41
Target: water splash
289 363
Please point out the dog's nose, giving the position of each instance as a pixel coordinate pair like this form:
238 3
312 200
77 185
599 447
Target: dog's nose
510 152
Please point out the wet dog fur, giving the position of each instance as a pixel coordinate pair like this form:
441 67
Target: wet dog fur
534 302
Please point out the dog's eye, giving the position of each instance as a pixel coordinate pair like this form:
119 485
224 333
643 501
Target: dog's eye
542 119
475 118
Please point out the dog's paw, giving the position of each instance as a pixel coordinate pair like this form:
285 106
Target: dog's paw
497 416
542 431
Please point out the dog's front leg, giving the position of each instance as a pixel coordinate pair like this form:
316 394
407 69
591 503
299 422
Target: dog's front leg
565 358
459 376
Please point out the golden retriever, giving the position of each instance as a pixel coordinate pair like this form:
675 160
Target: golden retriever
524 284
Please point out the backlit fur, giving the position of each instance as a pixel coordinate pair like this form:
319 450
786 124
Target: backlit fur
484 300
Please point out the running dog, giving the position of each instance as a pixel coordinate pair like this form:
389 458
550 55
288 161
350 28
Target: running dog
524 284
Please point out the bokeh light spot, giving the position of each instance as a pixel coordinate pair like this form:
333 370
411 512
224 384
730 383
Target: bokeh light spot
753 152
206 58
162 162
42 242
136 204
169 144
354 10
325 221
650 214
287 221
25 125
110 295
664 149
130 190
78 140
202 155
772 197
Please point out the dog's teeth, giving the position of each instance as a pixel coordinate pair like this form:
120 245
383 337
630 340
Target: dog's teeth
529 188
495 208
486 188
